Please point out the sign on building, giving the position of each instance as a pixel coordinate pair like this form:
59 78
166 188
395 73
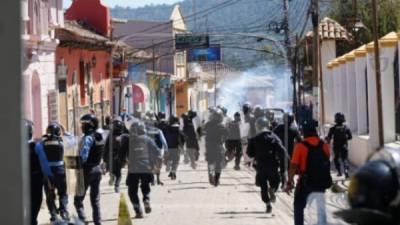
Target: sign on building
210 54
52 104
187 41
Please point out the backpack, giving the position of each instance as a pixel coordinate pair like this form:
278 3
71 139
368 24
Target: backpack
340 136
317 176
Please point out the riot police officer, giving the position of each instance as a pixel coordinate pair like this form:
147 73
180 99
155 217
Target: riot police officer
90 152
54 150
340 134
269 155
118 156
39 172
175 140
374 191
142 159
215 136
293 133
192 145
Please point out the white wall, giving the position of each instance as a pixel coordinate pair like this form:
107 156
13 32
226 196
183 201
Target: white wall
372 103
388 100
343 89
352 96
328 52
362 107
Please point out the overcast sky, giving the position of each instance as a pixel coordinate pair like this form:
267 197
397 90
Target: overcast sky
131 3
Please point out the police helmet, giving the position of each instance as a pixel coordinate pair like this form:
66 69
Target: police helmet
340 118
374 186
217 116
89 123
29 128
161 115
192 114
138 128
54 129
262 124
118 127
224 110
237 116
246 108
309 127
290 118
173 120
258 111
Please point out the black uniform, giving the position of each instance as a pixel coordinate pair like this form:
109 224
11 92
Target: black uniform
192 145
175 139
54 150
233 142
293 135
340 134
36 183
91 152
269 154
118 157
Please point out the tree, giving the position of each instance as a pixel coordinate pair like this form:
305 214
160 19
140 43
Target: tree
389 18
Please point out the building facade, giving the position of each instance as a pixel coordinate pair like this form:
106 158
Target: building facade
40 19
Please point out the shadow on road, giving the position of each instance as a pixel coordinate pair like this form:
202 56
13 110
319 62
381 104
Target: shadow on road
188 188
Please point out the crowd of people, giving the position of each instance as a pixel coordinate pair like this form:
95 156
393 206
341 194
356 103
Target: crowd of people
277 150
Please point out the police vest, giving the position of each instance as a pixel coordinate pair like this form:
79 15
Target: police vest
96 151
53 148
34 159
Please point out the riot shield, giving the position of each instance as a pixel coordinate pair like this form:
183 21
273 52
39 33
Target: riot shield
73 166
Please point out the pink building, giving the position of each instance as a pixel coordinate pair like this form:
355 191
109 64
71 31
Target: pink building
40 18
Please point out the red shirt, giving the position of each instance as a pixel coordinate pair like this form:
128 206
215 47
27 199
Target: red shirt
300 152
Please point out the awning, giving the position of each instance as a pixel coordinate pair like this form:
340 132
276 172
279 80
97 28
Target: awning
140 93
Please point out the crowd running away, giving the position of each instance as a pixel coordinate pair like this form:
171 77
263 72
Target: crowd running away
268 141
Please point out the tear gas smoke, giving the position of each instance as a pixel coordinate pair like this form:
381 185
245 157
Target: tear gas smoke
266 85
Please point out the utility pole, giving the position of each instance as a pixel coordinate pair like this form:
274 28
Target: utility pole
315 71
377 71
288 46
194 11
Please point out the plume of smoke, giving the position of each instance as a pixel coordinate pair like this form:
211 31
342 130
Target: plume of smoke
265 85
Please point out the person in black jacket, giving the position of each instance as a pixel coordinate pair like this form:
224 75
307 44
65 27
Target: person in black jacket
118 157
190 131
176 140
293 133
340 134
39 173
270 155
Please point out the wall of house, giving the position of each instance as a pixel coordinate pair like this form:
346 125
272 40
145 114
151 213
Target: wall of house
361 97
100 73
41 67
92 12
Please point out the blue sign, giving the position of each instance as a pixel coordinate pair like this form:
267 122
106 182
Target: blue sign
137 73
205 54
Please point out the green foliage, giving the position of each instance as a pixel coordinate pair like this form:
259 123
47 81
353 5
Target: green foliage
388 17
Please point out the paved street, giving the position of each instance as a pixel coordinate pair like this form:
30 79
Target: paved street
191 199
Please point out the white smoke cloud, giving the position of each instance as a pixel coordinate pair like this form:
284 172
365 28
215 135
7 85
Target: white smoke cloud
265 85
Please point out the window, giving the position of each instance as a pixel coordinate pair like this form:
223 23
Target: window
180 58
